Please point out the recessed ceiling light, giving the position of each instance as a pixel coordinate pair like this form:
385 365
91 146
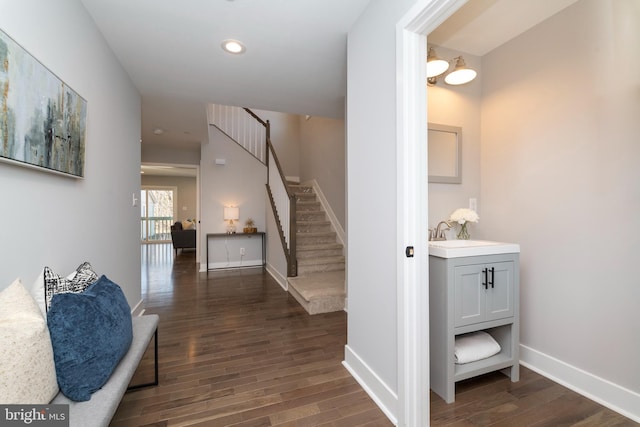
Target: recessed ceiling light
233 46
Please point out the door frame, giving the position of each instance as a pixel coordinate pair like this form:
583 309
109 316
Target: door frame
198 196
412 211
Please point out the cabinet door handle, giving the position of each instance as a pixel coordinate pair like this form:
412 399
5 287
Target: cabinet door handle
486 281
493 274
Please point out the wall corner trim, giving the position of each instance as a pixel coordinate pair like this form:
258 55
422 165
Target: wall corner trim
615 397
279 278
381 394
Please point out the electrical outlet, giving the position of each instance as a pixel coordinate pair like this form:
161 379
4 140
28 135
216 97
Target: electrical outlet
241 251
473 204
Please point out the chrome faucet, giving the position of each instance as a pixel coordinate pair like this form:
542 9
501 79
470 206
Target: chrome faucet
438 233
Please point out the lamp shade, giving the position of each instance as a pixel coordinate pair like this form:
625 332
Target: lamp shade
435 65
231 213
460 74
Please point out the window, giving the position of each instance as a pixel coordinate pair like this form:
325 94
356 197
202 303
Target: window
157 213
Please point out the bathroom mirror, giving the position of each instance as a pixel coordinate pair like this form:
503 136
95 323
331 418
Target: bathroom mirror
445 153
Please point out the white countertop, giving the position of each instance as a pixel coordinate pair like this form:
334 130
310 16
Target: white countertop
464 248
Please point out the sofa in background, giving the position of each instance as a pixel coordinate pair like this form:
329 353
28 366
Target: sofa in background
181 238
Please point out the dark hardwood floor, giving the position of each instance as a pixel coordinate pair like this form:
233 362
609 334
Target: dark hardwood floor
236 350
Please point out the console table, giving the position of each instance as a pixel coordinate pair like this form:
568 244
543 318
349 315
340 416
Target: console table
260 234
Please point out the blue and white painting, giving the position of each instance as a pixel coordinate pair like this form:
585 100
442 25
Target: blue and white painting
42 120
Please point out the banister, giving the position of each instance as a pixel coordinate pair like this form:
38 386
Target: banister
279 168
255 116
289 210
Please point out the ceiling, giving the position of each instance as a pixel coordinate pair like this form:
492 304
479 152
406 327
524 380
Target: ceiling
295 59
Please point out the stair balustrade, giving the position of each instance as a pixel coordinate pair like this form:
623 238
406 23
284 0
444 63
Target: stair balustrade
253 134
241 126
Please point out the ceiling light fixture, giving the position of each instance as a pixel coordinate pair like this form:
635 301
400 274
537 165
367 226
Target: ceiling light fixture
437 67
233 46
461 74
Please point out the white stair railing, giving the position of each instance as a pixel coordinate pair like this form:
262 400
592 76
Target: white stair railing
241 126
283 203
253 134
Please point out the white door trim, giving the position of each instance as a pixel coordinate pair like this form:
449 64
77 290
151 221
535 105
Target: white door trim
412 213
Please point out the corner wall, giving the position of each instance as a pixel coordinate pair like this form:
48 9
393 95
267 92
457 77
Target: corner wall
372 233
58 221
457 106
323 158
560 176
240 182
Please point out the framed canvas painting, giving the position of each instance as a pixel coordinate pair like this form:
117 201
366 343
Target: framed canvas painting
42 120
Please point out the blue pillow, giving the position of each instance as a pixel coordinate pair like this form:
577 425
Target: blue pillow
90 332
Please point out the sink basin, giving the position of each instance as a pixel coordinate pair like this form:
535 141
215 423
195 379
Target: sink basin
464 248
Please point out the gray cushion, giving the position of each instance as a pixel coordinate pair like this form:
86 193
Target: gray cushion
104 402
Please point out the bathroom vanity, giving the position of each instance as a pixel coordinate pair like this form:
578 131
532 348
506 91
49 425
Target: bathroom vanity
473 286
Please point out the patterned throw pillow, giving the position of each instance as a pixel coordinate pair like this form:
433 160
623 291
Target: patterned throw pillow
55 284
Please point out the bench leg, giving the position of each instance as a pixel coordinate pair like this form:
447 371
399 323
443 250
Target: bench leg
155 358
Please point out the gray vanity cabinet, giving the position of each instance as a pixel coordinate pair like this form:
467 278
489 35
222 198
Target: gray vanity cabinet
469 294
483 292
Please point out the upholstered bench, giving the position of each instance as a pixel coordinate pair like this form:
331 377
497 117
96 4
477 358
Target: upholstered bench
103 404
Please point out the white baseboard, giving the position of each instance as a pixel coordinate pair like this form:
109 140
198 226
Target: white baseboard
606 393
138 309
381 394
235 264
282 280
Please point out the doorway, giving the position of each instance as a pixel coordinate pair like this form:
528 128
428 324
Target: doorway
157 213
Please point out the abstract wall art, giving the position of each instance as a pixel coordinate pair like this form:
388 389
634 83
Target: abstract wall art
42 120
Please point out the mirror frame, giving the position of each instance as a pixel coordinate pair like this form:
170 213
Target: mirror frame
457 177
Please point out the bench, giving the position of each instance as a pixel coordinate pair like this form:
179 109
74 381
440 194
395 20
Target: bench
103 404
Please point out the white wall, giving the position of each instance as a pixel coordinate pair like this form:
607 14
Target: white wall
285 137
58 221
240 182
372 336
153 153
186 200
323 158
457 106
560 176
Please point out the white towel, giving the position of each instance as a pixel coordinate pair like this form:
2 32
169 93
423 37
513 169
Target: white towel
475 346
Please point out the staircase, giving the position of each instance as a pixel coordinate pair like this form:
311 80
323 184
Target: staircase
315 257
320 284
